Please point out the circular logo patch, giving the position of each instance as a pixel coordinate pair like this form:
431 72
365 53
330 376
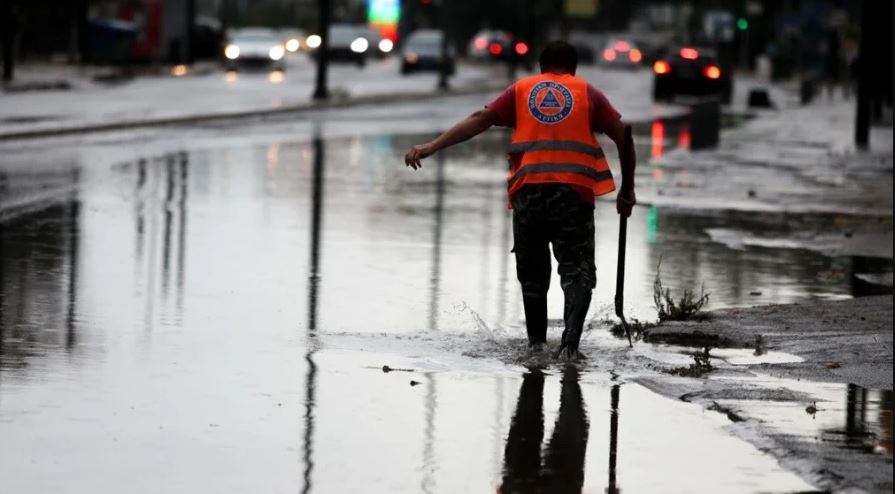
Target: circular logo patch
550 102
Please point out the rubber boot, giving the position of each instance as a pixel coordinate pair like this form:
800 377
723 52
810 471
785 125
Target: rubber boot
576 304
535 317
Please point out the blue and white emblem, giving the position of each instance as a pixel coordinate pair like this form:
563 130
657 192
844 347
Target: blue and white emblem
550 102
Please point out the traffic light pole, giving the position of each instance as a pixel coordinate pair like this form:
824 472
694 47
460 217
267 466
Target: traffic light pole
320 91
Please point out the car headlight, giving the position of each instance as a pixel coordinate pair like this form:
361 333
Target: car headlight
313 41
231 52
386 45
276 52
293 45
359 45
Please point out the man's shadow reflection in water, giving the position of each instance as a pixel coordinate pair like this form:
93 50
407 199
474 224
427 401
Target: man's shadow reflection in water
562 469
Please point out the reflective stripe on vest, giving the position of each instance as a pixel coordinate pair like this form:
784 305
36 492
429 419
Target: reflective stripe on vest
554 137
575 168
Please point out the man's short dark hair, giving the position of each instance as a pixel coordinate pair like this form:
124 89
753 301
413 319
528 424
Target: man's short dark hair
559 55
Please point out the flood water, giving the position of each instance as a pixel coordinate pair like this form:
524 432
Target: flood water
217 319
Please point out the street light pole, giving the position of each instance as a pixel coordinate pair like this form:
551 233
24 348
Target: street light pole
443 65
862 113
320 91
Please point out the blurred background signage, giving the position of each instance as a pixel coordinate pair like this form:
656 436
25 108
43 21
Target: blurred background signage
383 15
581 8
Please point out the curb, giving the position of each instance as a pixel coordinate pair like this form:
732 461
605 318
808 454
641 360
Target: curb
235 115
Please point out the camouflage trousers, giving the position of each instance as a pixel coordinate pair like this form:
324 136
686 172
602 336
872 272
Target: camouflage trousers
553 214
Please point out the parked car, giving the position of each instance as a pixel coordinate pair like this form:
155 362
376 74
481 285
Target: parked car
691 71
347 43
422 51
254 47
621 52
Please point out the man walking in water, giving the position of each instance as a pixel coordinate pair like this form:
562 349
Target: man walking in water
556 168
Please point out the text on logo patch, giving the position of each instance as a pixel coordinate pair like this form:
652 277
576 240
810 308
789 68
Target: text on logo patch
550 102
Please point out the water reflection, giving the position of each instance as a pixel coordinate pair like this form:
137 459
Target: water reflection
615 395
40 256
868 423
438 224
317 176
562 468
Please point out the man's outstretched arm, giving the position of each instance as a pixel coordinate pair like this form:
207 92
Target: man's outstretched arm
466 129
619 133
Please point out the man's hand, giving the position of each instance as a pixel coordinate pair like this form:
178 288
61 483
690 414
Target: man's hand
416 153
468 128
625 202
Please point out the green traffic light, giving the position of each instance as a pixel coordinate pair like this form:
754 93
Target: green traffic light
742 24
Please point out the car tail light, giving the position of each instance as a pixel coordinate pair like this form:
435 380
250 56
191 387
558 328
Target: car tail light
712 72
689 53
481 43
657 135
521 48
609 54
622 46
661 67
635 55
495 49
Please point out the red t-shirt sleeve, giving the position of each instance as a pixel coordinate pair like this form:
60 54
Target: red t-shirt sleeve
602 113
505 107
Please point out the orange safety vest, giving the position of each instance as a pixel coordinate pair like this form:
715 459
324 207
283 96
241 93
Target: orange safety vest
554 136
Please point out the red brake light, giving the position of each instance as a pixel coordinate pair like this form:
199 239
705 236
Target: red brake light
481 43
712 72
661 67
689 53
609 54
635 55
521 48
622 46
495 49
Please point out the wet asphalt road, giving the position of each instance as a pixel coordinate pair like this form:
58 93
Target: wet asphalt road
210 309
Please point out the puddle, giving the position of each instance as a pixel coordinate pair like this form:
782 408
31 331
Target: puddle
843 415
219 316
719 357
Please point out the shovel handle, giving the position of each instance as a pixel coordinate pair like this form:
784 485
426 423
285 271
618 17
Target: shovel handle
620 272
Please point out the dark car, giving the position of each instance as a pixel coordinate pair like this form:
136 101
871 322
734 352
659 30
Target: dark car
621 52
691 71
422 51
347 43
499 45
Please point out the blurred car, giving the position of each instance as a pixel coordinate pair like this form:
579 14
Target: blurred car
208 37
254 47
586 54
293 39
487 44
691 71
379 47
620 52
422 51
498 45
347 43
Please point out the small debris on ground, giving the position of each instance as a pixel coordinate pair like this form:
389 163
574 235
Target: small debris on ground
388 369
811 409
415 383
